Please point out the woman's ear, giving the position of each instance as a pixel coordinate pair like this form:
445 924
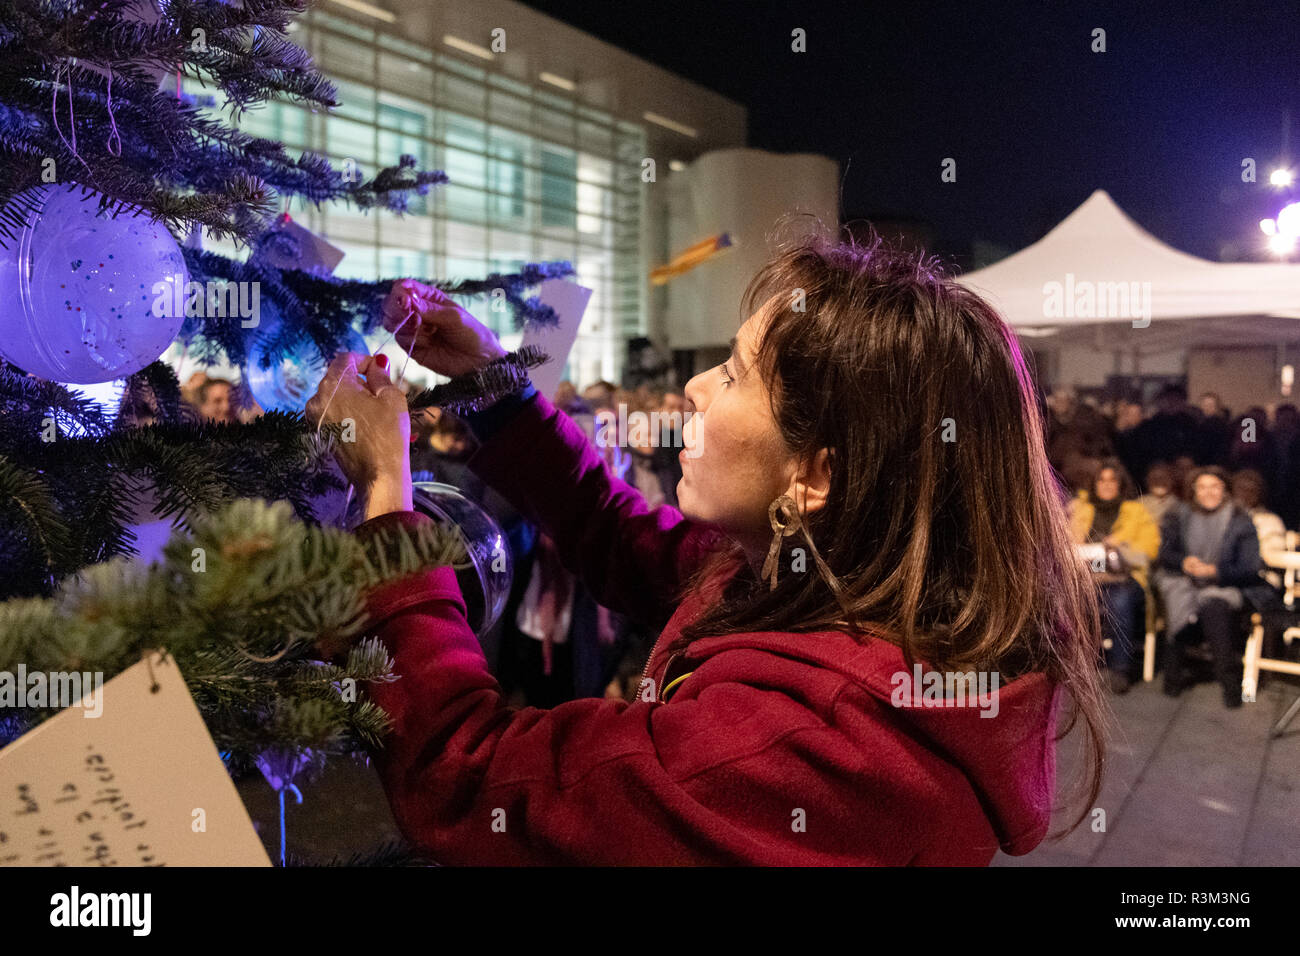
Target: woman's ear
812 484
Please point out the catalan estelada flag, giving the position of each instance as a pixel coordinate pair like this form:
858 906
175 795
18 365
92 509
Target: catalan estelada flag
689 259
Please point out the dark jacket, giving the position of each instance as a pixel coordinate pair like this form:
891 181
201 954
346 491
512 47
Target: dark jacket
1239 561
1162 437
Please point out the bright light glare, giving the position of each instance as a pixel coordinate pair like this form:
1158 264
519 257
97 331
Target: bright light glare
1288 220
1281 245
107 395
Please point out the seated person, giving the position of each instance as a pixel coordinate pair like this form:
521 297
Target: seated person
1110 513
1250 491
1162 493
1208 575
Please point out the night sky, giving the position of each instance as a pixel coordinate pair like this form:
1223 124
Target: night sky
1012 91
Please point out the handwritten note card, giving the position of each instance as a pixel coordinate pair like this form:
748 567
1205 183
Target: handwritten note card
140 785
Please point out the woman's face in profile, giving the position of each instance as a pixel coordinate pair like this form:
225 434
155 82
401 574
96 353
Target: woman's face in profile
735 461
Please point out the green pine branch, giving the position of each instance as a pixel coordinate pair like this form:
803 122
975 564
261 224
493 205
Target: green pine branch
78 86
71 484
240 603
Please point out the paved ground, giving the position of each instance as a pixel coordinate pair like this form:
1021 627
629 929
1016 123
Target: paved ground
1189 783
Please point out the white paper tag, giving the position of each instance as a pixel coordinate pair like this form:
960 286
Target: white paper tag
141 784
299 248
569 300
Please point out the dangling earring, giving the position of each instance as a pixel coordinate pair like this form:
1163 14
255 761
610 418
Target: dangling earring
783 515
784 518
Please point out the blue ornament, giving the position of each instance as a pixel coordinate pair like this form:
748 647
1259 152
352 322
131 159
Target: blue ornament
289 383
76 312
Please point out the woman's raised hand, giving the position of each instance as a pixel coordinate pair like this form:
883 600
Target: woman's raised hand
375 450
437 332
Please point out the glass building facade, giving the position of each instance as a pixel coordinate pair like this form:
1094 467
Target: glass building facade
535 176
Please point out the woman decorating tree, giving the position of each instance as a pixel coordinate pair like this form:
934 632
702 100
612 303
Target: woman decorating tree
865 501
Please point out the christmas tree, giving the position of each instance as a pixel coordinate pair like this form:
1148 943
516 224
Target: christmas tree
87 109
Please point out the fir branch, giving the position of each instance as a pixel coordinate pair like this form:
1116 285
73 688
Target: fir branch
266 579
27 403
393 554
153 392
28 513
143 149
391 188
525 310
319 310
480 388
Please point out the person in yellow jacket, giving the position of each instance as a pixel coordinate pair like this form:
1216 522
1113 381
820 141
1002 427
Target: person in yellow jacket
1110 513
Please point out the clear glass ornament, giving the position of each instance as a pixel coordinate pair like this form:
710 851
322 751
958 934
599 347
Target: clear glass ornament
289 383
88 297
485 582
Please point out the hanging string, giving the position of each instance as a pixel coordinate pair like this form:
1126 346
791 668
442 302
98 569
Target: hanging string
392 335
330 401
112 120
298 794
419 320
72 120
263 660
347 501
147 654
402 375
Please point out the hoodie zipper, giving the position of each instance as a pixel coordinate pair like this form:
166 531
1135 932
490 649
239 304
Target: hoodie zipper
645 671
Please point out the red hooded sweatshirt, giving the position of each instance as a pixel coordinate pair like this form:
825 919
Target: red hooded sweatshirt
779 748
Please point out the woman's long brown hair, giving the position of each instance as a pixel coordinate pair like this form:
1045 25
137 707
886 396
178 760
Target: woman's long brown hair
945 525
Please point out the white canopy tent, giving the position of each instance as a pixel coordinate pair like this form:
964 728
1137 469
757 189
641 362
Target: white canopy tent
1102 280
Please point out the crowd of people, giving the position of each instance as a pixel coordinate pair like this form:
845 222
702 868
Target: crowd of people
544 656
553 641
1185 550
1184 555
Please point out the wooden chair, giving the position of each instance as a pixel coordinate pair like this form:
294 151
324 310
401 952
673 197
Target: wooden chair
1149 651
1288 562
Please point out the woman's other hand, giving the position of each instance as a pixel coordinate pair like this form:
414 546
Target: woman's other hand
437 332
375 450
